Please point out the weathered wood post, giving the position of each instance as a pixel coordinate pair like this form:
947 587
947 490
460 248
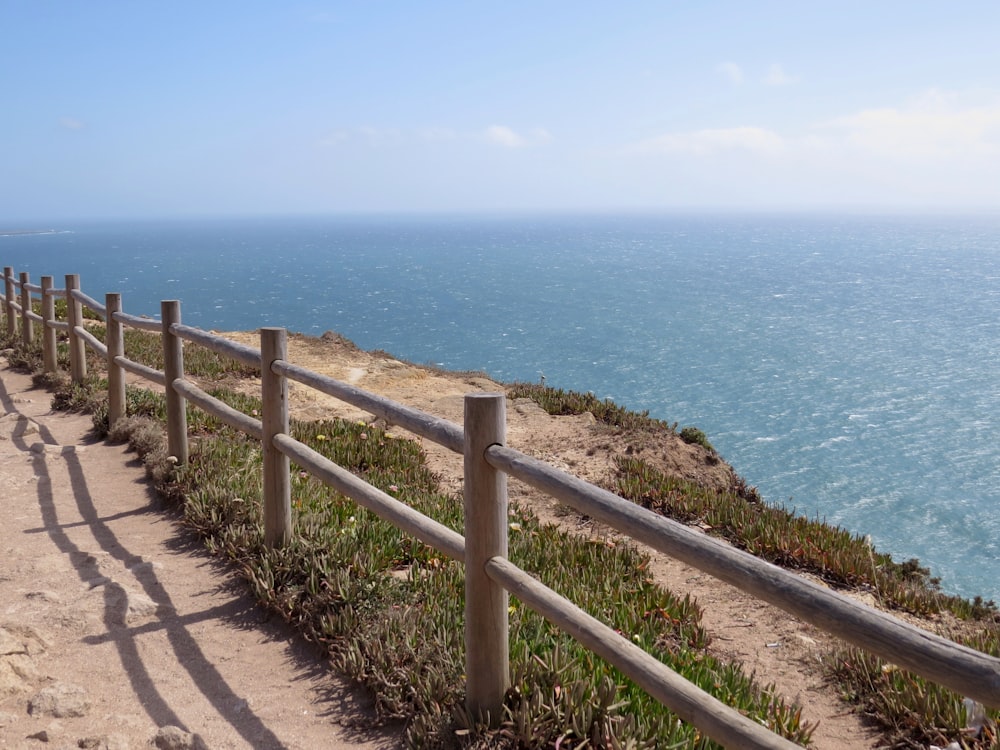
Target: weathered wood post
487 650
173 369
49 350
274 419
115 341
8 279
27 327
74 317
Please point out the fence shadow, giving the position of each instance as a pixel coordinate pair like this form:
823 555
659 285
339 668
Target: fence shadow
71 519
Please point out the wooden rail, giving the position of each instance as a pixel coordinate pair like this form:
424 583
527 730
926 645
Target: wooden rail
483 548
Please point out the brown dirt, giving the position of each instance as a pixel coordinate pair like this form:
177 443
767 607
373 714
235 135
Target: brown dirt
777 647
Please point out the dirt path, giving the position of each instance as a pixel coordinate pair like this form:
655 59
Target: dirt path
114 625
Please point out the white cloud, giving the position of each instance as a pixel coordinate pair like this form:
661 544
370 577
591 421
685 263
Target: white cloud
714 140
501 135
731 71
939 149
934 126
71 123
776 76
541 135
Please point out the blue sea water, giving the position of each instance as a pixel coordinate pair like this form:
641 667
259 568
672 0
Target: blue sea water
847 366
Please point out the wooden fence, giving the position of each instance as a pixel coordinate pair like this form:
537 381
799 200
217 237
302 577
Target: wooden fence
490 576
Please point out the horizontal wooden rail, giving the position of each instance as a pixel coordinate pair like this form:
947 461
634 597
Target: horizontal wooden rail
385 506
36 288
16 306
90 303
59 325
240 352
92 341
155 376
692 704
965 670
232 417
35 316
136 321
441 431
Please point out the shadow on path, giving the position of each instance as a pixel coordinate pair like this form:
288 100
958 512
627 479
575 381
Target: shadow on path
189 655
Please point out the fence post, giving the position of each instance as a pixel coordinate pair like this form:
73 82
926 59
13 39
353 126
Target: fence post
27 328
8 282
49 362
487 650
115 341
274 419
74 317
173 369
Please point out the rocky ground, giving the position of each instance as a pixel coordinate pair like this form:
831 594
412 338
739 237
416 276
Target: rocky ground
105 602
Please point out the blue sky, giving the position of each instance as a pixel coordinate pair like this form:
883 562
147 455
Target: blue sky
136 109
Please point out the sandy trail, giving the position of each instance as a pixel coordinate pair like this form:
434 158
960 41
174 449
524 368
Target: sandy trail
115 624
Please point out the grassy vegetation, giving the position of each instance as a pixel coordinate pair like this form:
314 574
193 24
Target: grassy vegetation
144 347
694 436
792 541
561 402
914 712
389 609
60 310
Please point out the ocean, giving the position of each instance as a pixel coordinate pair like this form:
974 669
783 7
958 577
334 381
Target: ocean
848 366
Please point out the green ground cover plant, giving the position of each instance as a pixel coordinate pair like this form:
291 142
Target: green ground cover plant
557 401
912 711
60 310
790 540
694 436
